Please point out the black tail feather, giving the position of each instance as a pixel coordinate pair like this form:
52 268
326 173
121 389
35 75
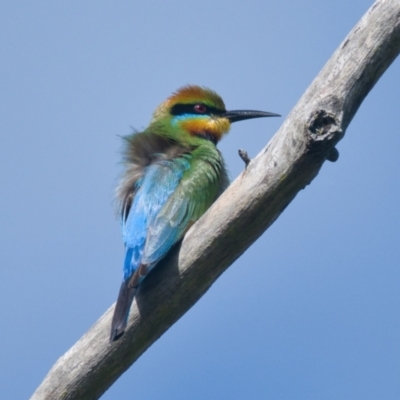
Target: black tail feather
121 311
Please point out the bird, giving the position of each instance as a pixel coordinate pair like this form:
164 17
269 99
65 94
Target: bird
173 173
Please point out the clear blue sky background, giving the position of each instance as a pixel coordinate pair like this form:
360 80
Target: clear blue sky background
310 311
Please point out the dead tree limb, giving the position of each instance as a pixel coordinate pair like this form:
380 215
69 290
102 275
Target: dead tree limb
249 206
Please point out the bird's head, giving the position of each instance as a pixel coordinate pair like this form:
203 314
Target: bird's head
200 112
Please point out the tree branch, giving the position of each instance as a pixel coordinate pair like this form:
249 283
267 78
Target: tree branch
249 206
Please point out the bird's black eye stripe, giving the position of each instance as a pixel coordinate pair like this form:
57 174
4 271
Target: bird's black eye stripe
181 109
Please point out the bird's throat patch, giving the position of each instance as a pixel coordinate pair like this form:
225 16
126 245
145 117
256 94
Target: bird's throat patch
210 128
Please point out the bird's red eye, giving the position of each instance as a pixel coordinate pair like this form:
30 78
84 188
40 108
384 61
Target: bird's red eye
200 108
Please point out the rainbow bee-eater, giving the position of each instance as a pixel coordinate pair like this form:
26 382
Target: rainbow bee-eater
174 172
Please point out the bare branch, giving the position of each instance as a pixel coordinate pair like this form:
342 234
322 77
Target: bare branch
250 205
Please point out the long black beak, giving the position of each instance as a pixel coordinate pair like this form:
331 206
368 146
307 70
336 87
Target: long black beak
240 115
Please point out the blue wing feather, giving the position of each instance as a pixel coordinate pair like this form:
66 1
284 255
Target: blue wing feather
158 183
165 232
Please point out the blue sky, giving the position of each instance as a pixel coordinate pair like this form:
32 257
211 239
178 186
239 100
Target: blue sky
310 311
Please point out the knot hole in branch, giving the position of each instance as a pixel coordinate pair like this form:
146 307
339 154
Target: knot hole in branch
325 130
322 122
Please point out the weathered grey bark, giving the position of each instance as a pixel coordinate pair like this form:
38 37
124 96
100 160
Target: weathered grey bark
250 205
